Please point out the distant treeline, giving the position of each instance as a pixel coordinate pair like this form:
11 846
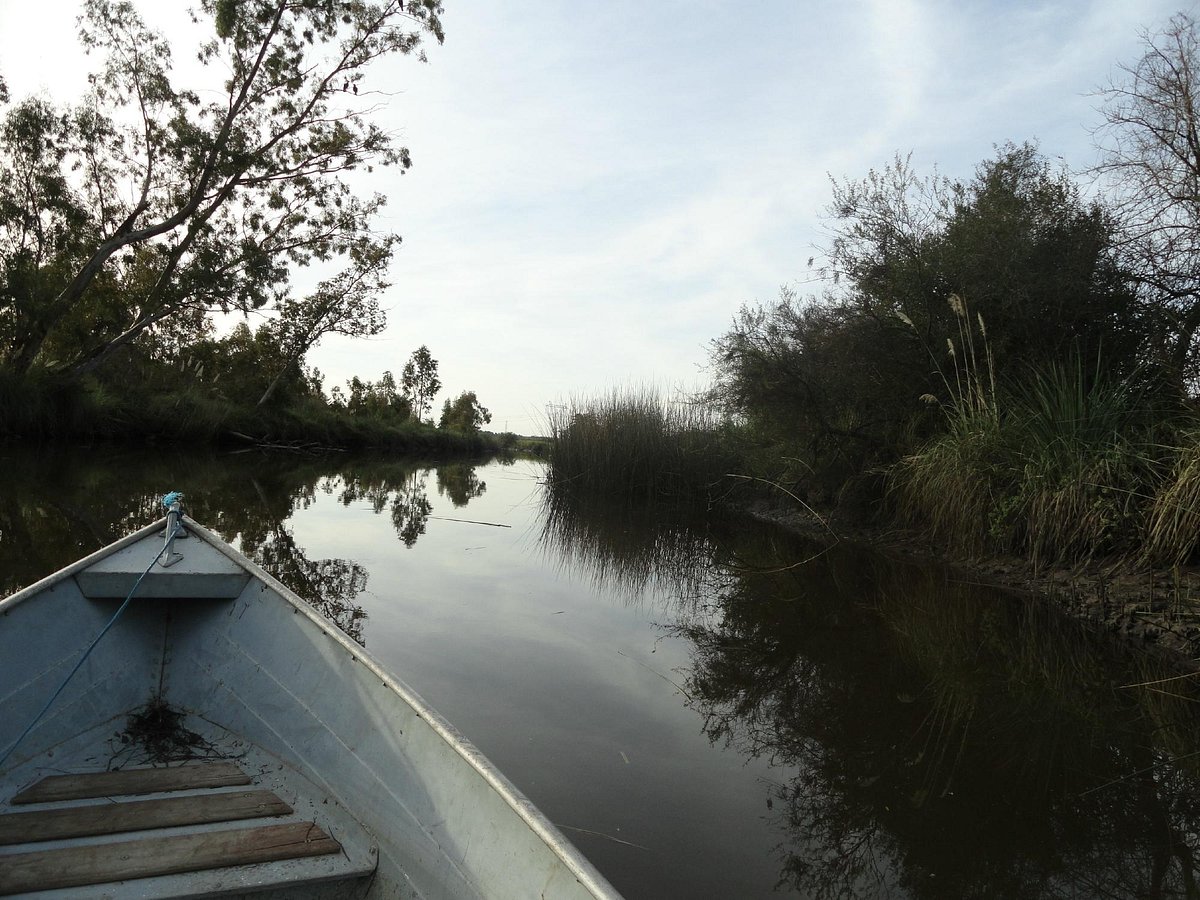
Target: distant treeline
212 391
1001 360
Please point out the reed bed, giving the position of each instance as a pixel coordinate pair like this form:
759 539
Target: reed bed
1060 468
635 443
1173 526
952 484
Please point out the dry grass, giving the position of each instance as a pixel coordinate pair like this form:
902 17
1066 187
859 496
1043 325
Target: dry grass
1172 534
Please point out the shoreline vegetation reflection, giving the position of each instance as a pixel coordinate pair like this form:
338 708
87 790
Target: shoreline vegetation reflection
100 495
929 738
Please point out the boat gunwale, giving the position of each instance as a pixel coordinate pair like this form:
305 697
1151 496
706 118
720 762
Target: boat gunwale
579 865
12 600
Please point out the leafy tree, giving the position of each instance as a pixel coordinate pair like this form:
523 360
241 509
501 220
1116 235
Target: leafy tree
464 414
43 224
845 381
237 367
188 198
1039 263
380 399
1151 158
420 380
1017 241
345 304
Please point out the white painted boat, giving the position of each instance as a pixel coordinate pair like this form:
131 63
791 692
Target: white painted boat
306 771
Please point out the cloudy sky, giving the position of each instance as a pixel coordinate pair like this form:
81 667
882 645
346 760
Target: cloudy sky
597 188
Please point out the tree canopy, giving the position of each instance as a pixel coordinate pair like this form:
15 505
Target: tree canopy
1013 258
151 202
420 381
466 413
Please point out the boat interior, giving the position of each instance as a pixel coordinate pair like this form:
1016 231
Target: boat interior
222 739
202 814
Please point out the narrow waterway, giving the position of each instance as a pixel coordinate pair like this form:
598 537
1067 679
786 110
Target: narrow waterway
708 708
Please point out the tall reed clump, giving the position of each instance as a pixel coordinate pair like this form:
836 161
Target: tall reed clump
1173 523
1057 467
635 443
1084 470
949 486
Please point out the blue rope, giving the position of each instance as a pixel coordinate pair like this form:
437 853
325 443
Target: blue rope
91 646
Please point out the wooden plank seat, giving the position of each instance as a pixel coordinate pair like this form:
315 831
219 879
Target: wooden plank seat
42 870
138 815
133 781
84 853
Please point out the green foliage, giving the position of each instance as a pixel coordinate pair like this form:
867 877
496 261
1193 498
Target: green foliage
378 400
191 408
464 414
152 200
1039 264
420 381
985 351
845 385
1062 470
827 390
345 304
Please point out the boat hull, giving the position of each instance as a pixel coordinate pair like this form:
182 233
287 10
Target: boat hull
266 667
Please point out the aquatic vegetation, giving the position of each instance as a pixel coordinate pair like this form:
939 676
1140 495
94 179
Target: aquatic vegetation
1060 467
636 443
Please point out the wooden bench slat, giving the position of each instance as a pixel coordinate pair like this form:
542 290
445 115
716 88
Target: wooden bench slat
102 863
132 781
138 815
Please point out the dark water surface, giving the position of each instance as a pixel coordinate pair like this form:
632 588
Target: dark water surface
707 708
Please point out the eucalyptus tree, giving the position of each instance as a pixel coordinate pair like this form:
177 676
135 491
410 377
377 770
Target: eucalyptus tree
345 304
420 381
205 197
466 413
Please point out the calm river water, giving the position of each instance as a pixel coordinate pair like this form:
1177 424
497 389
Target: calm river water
707 708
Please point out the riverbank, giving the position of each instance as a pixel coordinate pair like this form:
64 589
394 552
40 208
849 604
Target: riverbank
52 411
1157 609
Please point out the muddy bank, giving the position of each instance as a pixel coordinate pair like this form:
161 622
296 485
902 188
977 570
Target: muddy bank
1158 609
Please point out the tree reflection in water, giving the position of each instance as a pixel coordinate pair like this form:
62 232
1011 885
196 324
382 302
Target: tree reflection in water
59 505
459 483
931 739
329 586
401 489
